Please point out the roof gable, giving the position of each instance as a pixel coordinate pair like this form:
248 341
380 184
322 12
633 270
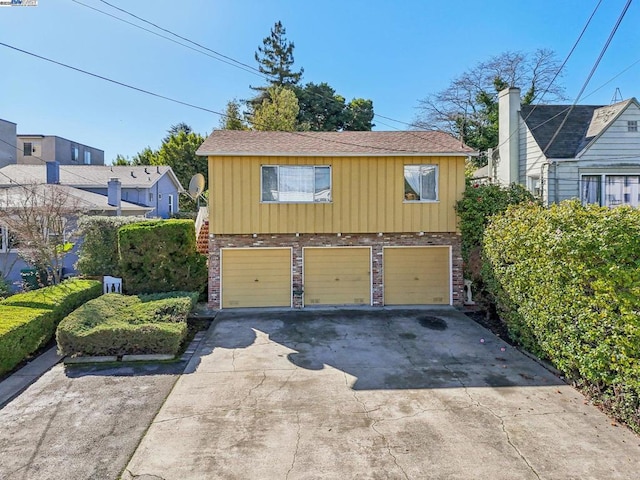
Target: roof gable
238 142
544 120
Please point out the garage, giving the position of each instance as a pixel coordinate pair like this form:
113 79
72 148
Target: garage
337 276
417 275
255 277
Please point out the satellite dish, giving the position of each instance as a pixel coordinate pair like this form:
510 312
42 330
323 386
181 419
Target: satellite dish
196 186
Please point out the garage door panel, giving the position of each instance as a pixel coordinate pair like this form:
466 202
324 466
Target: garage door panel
259 277
417 276
337 276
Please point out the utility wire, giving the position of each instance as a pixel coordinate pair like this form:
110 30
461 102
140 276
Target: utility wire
240 65
197 107
236 63
591 73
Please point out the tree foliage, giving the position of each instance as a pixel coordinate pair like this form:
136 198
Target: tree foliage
277 112
275 59
178 151
468 107
567 284
320 108
233 117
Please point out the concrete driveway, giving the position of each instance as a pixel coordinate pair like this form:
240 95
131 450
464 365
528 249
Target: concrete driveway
384 394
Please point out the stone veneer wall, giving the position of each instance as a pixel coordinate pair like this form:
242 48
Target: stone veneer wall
216 242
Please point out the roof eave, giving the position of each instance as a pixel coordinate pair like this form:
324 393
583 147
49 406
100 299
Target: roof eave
336 154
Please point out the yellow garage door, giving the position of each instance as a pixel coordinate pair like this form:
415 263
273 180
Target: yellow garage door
256 277
417 276
337 276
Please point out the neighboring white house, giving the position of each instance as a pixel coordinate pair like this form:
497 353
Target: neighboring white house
590 152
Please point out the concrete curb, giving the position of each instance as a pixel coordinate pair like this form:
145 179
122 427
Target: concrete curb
19 381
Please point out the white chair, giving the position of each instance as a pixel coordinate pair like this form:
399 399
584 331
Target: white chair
111 284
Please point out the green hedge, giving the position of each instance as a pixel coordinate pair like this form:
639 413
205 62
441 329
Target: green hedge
98 253
161 256
28 320
117 325
566 281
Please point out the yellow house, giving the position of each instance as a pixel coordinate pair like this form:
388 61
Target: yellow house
334 218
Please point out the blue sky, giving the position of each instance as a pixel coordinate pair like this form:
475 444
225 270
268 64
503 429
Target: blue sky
394 53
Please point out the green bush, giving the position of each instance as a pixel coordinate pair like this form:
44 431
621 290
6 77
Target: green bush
28 320
98 253
161 256
566 281
117 325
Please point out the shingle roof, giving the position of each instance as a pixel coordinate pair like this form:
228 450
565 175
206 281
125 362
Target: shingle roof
86 176
583 124
236 142
87 201
544 120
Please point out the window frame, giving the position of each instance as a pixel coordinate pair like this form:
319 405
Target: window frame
437 186
602 194
311 202
171 208
75 153
632 126
87 157
30 149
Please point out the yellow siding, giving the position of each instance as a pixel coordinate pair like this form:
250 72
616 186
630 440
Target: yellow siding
256 277
337 276
368 194
416 275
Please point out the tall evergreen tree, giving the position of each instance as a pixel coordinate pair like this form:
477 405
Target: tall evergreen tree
233 117
277 112
275 59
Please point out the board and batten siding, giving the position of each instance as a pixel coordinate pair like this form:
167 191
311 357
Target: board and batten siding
367 197
615 142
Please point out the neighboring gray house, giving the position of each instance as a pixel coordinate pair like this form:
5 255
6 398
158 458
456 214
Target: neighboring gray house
25 149
34 149
593 153
8 152
155 187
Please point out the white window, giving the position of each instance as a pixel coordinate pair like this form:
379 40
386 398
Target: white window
420 183
534 185
170 203
87 157
632 125
610 190
75 153
296 183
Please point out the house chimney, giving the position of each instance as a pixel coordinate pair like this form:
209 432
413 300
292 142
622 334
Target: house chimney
114 193
53 172
508 168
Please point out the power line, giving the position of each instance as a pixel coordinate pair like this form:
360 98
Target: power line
236 63
240 65
197 107
591 73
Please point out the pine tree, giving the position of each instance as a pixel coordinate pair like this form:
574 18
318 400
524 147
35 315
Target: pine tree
275 59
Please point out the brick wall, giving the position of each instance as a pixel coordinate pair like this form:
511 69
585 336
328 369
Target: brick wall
297 243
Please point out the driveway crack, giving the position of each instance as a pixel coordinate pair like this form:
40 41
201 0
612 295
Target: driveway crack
145 475
380 434
295 452
488 409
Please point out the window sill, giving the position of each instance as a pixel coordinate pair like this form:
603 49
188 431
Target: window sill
409 202
295 203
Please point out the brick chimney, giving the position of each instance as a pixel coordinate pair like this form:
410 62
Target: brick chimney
508 169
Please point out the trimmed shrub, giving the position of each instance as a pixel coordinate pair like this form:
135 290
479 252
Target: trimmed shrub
98 253
28 320
161 256
117 325
566 281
